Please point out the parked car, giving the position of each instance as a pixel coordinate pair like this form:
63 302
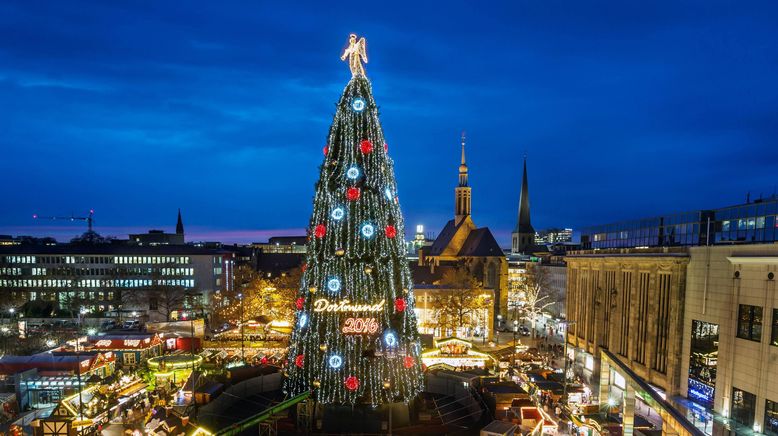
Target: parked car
108 325
131 324
524 330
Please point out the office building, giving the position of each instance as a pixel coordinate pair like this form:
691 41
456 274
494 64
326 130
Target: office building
630 302
553 236
750 223
111 277
730 334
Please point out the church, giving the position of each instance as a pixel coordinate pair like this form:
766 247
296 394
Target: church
461 245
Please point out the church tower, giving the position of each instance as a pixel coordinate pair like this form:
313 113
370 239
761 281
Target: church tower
180 224
523 236
462 192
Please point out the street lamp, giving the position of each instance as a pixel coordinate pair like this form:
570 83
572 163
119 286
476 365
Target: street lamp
499 326
242 342
564 338
192 296
515 330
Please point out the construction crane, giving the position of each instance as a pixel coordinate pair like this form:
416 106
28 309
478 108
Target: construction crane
89 219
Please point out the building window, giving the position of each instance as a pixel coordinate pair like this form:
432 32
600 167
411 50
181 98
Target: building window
771 417
749 322
743 406
129 358
703 360
774 333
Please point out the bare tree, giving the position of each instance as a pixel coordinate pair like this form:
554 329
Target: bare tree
533 298
461 301
261 296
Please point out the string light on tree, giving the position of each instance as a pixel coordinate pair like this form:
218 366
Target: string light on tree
333 284
367 230
353 172
353 193
352 383
359 338
335 361
390 231
358 104
338 213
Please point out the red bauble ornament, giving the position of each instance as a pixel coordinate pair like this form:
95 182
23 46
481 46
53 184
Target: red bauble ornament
326 149
391 232
386 147
299 360
320 230
352 383
303 267
263 360
366 146
299 303
409 361
399 304
353 193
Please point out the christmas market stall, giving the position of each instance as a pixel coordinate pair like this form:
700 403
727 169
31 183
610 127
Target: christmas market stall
456 354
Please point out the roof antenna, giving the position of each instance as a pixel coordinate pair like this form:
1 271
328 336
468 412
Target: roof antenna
748 197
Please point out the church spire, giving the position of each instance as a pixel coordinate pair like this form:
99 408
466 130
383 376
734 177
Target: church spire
463 165
179 224
462 192
523 235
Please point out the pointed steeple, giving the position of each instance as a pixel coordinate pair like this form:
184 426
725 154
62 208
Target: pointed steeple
524 225
524 234
179 224
462 192
463 165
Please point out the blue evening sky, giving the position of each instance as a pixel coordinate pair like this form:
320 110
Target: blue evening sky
625 109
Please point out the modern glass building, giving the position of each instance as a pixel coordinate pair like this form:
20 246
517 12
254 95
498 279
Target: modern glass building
750 223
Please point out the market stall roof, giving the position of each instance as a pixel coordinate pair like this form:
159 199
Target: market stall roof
552 386
504 388
50 362
499 427
125 342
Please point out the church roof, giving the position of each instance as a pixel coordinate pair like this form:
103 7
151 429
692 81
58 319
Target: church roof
481 242
444 238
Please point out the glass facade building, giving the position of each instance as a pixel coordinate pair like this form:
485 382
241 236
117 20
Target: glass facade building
751 223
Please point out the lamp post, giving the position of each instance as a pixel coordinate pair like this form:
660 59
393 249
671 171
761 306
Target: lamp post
192 296
242 342
515 330
81 314
497 333
564 338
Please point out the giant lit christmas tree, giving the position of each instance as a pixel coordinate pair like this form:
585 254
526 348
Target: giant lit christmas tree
355 338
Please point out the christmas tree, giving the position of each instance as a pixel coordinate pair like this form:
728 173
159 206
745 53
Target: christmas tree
355 338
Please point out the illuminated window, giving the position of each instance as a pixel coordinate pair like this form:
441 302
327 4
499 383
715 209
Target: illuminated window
749 324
